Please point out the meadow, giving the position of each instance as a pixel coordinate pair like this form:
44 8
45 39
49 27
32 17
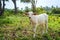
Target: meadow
17 27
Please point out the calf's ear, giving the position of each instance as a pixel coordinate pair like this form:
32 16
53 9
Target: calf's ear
34 14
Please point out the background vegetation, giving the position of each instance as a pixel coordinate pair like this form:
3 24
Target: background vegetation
14 25
17 27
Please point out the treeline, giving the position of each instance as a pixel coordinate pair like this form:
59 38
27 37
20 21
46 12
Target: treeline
48 10
52 9
2 2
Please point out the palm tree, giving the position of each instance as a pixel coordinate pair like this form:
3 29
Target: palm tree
14 1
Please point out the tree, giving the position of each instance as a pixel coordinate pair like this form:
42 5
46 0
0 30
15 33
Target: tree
14 1
56 10
33 5
33 2
26 9
2 8
0 4
3 5
25 1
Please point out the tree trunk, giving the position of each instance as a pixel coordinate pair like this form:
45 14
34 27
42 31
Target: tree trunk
1 8
3 5
33 5
0 4
15 7
14 1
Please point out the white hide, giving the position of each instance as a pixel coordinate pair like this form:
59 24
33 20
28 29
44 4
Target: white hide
39 19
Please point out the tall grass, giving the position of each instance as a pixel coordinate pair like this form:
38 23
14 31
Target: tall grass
17 27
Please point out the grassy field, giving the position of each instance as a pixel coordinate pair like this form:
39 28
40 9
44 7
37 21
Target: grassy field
17 27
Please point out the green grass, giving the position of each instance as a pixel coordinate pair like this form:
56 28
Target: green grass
17 24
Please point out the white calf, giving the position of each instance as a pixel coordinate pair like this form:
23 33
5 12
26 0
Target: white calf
41 20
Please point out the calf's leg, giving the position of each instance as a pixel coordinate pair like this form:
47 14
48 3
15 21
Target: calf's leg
34 31
46 26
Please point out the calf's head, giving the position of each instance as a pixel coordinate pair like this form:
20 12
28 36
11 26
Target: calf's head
29 14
